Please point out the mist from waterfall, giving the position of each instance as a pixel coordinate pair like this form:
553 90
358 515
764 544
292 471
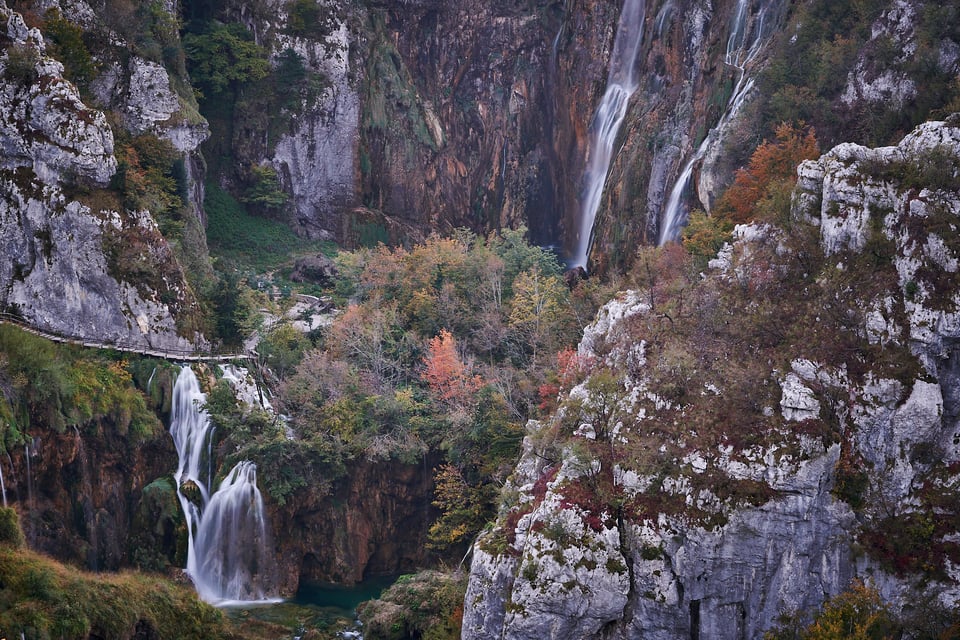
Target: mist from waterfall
621 83
743 45
229 553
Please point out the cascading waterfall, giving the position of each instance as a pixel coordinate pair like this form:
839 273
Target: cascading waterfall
228 546
3 487
621 83
741 50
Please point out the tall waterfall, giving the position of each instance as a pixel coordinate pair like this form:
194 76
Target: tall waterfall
621 83
743 44
228 550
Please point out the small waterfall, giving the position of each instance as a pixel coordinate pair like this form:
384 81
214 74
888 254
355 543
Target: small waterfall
29 450
621 83
3 487
228 548
86 499
741 51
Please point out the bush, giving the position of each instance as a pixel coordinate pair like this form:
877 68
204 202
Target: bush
69 48
11 535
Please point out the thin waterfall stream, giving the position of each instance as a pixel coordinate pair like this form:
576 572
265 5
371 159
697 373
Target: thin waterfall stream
606 122
741 51
229 552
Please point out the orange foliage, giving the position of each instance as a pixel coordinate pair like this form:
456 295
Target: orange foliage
770 163
444 371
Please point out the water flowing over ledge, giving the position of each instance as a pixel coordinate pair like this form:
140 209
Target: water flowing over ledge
747 34
621 83
229 552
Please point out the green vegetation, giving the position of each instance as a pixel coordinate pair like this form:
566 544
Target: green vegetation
426 605
248 241
820 46
264 191
858 613
63 386
223 57
40 598
69 48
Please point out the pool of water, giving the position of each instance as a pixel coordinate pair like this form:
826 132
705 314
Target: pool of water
339 597
322 607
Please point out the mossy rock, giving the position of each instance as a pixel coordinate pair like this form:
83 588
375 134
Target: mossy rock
11 535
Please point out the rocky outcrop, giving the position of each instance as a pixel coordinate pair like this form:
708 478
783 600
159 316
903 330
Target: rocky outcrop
639 523
75 263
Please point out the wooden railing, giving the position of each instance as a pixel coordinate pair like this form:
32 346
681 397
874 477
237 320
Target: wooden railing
180 355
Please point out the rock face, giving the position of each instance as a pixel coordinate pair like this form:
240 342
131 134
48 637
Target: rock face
67 261
83 494
647 526
372 522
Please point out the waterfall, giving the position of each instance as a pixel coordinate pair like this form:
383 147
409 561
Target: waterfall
621 83
3 488
741 50
86 503
229 554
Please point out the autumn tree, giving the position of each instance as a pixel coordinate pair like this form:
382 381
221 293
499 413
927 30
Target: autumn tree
464 508
449 378
771 165
539 308
856 614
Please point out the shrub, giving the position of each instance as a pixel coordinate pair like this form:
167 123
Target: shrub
11 535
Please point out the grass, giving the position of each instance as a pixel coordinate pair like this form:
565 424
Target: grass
41 598
253 243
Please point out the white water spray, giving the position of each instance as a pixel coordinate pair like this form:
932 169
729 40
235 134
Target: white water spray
228 547
741 51
621 83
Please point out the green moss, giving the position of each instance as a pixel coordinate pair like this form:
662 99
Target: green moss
10 533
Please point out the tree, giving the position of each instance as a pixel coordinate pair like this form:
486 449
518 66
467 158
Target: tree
464 508
224 56
856 614
265 191
538 308
771 163
446 374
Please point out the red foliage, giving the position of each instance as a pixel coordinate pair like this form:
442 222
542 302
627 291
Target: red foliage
772 161
445 372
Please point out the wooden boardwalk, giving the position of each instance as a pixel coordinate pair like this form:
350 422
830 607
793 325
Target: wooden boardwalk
178 355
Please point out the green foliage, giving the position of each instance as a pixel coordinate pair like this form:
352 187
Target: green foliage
937 168
704 235
21 64
43 599
158 534
264 192
150 176
283 348
11 535
856 614
310 19
427 605
69 48
464 509
814 55
250 242
61 387
222 57
293 83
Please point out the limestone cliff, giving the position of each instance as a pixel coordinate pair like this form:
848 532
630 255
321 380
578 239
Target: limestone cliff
687 487
76 262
